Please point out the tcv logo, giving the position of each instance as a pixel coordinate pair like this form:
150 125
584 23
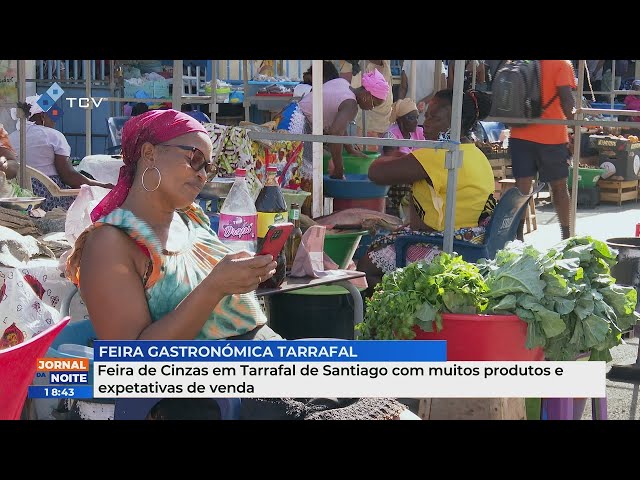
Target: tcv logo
48 99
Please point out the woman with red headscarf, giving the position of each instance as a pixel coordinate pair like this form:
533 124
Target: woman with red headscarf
150 267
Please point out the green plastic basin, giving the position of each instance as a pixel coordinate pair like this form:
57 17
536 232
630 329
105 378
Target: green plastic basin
341 246
351 164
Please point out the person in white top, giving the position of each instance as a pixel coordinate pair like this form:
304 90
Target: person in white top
47 150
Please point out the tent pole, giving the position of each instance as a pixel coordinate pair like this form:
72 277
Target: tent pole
317 205
453 159
22 95
87 117
577 141
178 87
412 81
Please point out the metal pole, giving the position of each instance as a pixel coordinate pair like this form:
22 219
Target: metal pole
178 87
317 202
22 94
437 73
613 86
453 159
246 102
87 121
363 64
473 78
577 137
213 106
112 86
412 81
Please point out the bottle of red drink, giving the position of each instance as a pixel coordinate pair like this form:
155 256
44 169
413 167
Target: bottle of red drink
272 209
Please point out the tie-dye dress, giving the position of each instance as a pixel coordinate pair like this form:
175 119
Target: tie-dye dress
174 275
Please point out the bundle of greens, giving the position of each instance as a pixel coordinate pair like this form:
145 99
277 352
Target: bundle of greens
419 293
567 296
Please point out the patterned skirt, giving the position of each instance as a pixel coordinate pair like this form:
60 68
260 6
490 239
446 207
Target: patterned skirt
51 202
382 251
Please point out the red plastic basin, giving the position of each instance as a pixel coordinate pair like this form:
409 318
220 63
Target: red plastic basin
483 338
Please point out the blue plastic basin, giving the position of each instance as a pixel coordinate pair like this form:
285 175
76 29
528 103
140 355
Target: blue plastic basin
355 186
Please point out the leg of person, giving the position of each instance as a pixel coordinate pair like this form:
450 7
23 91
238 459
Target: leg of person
524 162
555 170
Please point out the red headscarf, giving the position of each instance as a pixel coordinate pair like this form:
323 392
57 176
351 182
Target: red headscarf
154 126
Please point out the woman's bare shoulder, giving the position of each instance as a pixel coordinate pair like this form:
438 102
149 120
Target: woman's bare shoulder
108 241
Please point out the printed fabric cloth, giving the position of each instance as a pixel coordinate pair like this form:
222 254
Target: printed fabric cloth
30 300
382 251
234 149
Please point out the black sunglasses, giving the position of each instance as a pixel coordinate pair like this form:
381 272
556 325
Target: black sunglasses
197 159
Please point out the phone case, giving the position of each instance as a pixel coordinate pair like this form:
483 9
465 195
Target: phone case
276 239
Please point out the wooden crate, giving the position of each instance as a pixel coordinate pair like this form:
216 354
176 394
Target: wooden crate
501 167
618 191
472 409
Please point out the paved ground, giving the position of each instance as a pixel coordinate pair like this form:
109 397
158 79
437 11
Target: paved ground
602 222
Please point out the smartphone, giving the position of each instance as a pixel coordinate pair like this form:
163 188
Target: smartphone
276 239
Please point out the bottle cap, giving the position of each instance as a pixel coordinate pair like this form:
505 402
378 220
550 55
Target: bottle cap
241 172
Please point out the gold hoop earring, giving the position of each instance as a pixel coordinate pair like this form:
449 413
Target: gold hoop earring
159 179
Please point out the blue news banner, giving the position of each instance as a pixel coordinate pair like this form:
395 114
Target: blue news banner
271 351
78 385
308 368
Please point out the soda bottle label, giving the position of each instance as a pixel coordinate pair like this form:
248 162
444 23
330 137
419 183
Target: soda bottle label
265 219
294 214
237 227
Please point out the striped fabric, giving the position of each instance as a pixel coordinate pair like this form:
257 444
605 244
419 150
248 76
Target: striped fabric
176 274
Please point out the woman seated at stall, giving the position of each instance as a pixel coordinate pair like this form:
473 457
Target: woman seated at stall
150 267
48 151
425 170
404 126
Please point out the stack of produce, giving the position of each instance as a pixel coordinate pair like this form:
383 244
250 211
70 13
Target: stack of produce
566 295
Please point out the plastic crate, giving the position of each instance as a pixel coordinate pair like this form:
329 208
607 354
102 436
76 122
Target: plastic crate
587 177
607 106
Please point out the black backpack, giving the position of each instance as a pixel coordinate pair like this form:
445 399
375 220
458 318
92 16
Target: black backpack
517 91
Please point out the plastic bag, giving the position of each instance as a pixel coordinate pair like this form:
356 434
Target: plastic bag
79 213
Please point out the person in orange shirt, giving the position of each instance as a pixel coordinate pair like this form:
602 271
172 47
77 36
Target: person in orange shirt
543 149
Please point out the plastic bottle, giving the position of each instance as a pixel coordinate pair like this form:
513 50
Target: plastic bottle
238 222
295 238
272 209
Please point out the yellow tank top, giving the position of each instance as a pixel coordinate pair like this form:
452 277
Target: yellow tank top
475 183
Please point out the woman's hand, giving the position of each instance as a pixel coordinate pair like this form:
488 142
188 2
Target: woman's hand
241 272
337 173
354 150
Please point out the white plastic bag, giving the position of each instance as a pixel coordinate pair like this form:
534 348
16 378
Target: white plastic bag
79 213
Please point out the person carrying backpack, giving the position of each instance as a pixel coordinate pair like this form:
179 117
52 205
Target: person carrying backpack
543 149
